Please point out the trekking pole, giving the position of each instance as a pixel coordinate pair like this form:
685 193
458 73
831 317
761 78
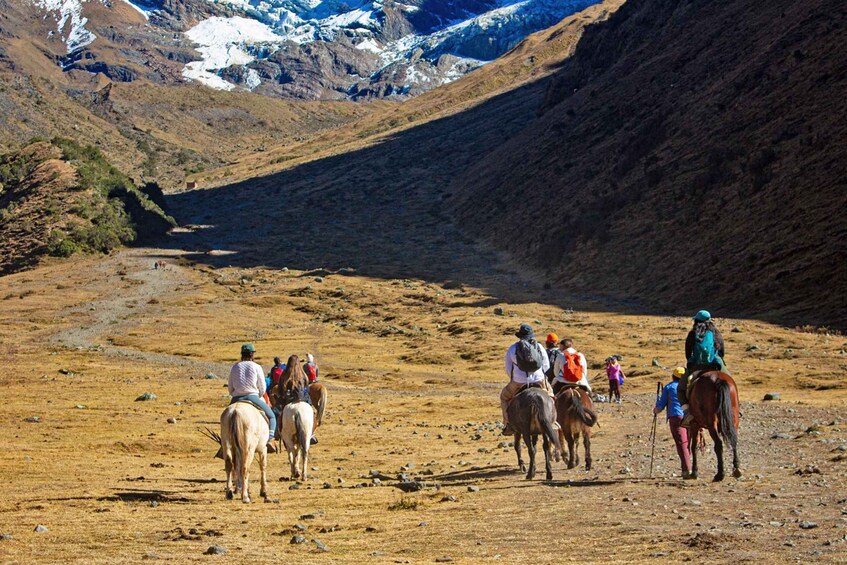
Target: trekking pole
653 430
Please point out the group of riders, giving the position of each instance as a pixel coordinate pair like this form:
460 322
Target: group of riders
284 383
560 365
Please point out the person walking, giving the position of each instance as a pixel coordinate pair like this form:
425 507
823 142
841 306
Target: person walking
616 378
669 401
247 383
526 365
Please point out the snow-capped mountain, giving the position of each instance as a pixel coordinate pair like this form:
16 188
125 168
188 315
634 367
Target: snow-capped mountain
321 49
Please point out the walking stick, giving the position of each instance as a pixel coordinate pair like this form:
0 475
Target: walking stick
653 429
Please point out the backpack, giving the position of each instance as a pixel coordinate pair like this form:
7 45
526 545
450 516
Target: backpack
276 373
552 354
311 371
571 369
704 351
528 356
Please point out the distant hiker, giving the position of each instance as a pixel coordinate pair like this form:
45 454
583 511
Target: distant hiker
704 351
571 368
526 363
247 383
669 399
616 378
156 266
553 353
311 368
272 380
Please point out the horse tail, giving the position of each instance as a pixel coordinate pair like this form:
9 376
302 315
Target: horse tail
302 433
235 441
538 412
726 422
587 415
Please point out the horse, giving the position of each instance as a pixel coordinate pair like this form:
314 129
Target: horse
318 395
244 433
575 414
532 413
297 426
713 404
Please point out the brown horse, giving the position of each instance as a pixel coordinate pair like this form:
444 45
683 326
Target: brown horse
318 396
713 404
575 414
532 414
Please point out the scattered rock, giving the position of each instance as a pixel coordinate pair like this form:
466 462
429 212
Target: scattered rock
808 470
154 503
371 529
146 396
33 419
808 525
326 485
151 556
445 559
423 524
41 529
655 362
295 486
782 436
473 489
215 550
308 516
410 486
320 546
771 396
172 420
80 406
5 537
212 376
449 498
498 311
753 347
296 540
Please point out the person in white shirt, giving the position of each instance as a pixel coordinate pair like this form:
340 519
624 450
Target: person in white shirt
570 368
519 379
247 383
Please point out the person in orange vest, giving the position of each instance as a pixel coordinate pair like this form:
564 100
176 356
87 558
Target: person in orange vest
571 368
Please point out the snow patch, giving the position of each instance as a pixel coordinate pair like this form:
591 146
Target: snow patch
225 42
369 45
139 9
69 16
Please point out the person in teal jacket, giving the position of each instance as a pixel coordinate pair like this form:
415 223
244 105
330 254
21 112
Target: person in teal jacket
704 351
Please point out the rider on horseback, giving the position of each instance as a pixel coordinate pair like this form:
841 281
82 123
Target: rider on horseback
571 368
704 351
247 383
526 363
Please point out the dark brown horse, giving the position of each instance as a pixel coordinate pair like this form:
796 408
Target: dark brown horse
532 413
575 414
713 404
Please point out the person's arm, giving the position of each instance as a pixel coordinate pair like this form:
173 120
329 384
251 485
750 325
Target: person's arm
662 401
689 345
719 343
260 380
557 367
229 386
584 364
509 363
545 361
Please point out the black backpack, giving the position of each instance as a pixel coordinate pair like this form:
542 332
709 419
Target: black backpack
528 356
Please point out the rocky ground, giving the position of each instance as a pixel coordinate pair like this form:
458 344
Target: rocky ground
413 370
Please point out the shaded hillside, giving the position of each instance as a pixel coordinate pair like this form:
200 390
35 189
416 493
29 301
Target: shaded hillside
690 154
60 198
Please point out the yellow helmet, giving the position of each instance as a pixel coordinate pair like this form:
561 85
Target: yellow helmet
679 371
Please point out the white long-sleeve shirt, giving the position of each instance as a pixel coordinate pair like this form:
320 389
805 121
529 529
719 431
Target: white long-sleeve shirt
519 376
246 377
560 363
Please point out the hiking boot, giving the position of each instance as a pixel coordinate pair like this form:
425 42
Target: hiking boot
508 430
272 446
314 440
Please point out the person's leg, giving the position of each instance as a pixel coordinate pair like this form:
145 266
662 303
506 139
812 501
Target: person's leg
680 438
506 396
267 410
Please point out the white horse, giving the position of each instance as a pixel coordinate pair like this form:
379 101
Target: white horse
244 433
297 423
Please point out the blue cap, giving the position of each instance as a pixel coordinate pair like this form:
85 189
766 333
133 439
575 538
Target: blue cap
702 316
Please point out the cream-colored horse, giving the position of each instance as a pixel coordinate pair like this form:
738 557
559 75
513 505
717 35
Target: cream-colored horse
297 425
244 433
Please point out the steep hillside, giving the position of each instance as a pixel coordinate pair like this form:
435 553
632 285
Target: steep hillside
689 154
60 198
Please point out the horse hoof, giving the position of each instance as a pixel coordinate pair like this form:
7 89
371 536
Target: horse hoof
588 467
523 468
530 476
571 465
737 473
718 478
245 500
229 495
549 476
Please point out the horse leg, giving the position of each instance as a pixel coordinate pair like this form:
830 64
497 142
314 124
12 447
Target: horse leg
586 439
228 468
304 459
245 474
736 465
716 437
530 441
576 449
548 466
263 467
571 448
521 464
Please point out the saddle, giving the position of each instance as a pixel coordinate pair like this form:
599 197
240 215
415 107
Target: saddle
262 412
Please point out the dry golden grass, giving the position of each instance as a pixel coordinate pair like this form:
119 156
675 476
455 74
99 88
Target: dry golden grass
90 473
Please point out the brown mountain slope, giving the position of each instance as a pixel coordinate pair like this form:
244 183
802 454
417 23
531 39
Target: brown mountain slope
689 154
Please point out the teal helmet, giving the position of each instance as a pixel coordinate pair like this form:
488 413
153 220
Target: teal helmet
702 316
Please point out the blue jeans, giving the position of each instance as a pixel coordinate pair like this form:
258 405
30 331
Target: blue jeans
259 403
